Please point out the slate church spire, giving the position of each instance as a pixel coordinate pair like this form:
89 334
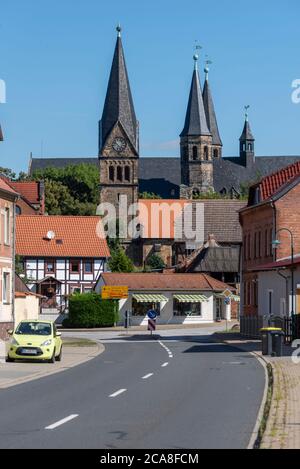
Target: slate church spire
118 136
118 106
196 144
211 116
247 154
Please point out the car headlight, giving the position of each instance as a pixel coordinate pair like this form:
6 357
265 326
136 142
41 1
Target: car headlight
14 342
46 343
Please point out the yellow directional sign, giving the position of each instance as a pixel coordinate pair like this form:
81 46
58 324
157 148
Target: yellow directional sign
114 293
227 293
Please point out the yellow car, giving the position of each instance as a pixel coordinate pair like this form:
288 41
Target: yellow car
35 340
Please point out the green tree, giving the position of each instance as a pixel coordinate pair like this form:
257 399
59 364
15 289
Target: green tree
120 262
7 172
72 190
155 262
149 195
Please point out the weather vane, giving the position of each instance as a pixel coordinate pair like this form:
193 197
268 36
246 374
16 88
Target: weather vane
196 56
246 111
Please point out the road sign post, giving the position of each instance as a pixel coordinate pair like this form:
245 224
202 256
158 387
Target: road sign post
152 315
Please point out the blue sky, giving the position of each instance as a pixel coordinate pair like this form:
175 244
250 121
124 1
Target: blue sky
56 58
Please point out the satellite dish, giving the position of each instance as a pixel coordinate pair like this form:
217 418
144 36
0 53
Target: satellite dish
50 235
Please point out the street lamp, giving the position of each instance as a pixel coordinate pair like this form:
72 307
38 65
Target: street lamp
276 243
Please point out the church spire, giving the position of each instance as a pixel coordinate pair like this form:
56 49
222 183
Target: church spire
118 107
247 154
210 110
195 121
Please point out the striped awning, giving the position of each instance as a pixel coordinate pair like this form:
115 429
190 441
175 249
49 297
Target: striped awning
149 298
191 298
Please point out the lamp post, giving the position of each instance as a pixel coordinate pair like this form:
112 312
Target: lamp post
276 243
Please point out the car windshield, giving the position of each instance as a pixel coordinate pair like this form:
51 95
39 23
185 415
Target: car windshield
33 328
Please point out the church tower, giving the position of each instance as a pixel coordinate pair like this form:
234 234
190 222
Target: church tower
211 116
118 136
247 153
196 145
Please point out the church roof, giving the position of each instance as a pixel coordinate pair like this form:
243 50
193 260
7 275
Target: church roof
210 114
118 106
247 133
195 120
162 175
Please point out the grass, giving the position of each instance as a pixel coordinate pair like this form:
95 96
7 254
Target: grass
263 424
78 343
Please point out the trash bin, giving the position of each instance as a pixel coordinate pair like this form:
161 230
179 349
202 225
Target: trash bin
272 341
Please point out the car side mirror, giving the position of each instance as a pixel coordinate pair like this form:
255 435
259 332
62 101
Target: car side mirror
10 332
58 334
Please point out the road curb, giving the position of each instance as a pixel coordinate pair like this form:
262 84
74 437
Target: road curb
39 375
265 407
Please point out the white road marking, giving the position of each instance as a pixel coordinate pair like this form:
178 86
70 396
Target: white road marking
62 422
166 349
164 365
115 394
148 376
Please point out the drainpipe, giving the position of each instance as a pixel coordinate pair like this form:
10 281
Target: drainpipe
274 227
13 259
286 278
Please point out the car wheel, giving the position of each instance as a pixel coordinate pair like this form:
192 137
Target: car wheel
9 360
59 357
52 359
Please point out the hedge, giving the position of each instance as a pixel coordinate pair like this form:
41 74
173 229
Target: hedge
89 310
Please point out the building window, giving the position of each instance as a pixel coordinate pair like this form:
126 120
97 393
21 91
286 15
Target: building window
206 153
111 173
259 245
88 290
266 244
88 267
249 146
270 242
120 173
75 266
7 226
249 247
50 266
18 210
195 153
216 153
75 289
187 309
6 287
245 248
127 173
141 309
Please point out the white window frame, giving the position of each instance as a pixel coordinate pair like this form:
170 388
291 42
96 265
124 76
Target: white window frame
6 288
7 226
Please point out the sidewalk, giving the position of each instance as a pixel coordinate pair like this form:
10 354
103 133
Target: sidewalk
283 424
75 352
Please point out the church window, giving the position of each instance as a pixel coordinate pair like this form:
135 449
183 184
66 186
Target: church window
244 146
119 173
127 173
111 173
216 153
206 153
195 153
249 146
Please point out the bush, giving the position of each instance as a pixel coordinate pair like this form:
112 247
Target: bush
155 262
89 311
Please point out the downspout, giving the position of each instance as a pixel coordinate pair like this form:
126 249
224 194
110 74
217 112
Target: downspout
14 260
274 226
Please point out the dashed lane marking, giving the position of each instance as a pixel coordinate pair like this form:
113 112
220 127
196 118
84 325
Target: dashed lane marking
62 422
117 393
148 376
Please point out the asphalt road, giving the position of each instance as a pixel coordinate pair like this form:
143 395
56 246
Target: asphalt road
183 392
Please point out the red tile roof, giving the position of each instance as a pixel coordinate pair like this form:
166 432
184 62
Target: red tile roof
5 187
27 189
164 281
269 185
74 237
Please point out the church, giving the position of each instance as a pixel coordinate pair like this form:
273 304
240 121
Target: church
201 169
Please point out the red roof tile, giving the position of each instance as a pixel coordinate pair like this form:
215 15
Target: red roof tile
27 189
74 236
164 281
5 187
269 185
